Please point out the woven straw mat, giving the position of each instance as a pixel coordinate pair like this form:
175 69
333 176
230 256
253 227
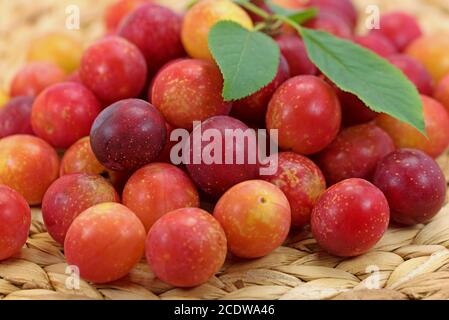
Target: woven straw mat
408 263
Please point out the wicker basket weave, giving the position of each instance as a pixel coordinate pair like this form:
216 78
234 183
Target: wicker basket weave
408 263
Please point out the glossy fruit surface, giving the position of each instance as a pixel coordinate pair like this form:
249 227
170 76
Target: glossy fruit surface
307 113
15 220
436 119
350 218
28 165
355 153
189 90
58 48
124 128
105 242
34 77
413 184
202 17
15 117
156 31
186 247
156 189
255 216
302 183
64 113
114 69
212 172
70 195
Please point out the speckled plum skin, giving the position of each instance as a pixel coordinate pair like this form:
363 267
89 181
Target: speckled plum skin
34 77
118 11
413 184
415 72
436 119
157 189
400 27
105 242
15 117
156 31
15 220
28 165
202 17
302 183
70 195
255 216
294 50
253 108
114 69
186 247
80 158
215 179
355 153
442 92
189 90
128 135
307 113
350 218
64 113
378 43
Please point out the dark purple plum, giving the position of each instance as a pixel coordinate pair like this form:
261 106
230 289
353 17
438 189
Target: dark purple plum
15 117
128 134
413 184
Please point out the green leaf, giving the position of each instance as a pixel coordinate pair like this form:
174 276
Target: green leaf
380 85
248 59
294 15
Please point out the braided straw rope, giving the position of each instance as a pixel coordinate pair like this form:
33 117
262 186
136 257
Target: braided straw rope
408 263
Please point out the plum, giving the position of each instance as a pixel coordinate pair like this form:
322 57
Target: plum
15 117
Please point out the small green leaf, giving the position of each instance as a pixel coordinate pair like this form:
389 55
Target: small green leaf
294 15
380 85
248 59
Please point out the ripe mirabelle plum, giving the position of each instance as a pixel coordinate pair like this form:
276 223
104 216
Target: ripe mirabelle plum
405 136
355 153
3 98
255 216
156 31
350 218
186 247
70 195
156 189
302 183
64 113
342 8
114 69
28 165
105 242
414 71
189 90
34 77
307 113
328 21
116 12
202 17
377 43
294 50
15 220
